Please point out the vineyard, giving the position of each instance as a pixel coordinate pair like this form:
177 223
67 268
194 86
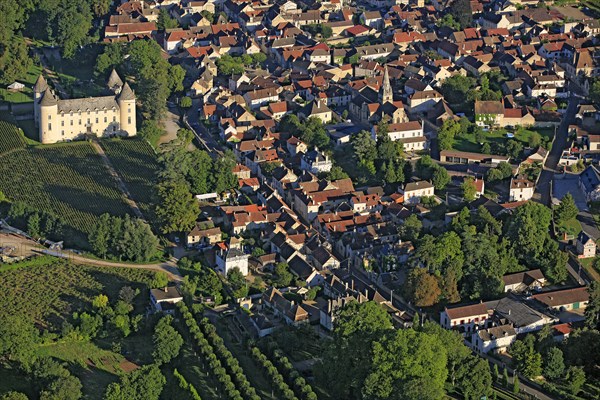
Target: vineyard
67 180
10 138
135 161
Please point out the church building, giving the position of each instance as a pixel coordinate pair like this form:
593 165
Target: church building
70 119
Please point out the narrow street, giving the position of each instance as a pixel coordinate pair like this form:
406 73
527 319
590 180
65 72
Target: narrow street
202 134
544 187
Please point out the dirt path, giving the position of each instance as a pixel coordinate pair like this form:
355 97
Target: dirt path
26 247
132 204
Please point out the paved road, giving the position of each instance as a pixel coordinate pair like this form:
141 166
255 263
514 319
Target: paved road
202 134
544 186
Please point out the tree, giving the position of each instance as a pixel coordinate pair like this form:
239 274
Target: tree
167 341
74 21
100 237
575 379
514 148
456 89
469 190
440 178
100 301
185 102
18 339
236 278
336 173
516 389
33 225
283 275
111 57
554 365
449 130
165 21
177 209
505 377
14 396
326 31
145 383
535 140
528 229
407 364
461 11
151 132
448 21
185 136
592 311
62 388
424 287
495 373
411 229
474 379
566 210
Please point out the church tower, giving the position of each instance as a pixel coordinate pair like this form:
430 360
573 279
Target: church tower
386 94
126 100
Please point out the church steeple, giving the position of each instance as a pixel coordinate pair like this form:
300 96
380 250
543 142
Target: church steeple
386 94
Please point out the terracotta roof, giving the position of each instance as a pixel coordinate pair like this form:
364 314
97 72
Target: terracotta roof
563 297
466 311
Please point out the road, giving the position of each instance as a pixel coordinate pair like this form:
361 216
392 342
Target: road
544 186
202 134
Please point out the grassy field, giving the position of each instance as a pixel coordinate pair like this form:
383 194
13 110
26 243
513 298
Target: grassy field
588 265
135 161
68 180
25 95
468 143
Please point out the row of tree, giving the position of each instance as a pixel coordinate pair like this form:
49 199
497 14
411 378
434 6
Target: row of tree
278 380
220 360
301 387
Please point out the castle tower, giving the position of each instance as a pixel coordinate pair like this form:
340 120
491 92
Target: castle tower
38 90
126 100
48 117
114 83
386 94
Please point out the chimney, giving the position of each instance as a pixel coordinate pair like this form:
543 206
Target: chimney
509 312
166 289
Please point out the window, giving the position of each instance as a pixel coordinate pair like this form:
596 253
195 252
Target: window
62 123
128 120
49 116
96 120
129 110
114 119
79 122
105 119
88 120
62 133
71 122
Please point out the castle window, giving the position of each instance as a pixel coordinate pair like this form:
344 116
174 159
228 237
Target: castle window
105 119
88 120
114 119
128 120
96 120
62 133
49 116
62 123
71 113
79 122
71 122
49 126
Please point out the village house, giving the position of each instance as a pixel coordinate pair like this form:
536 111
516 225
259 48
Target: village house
521 189
414 191
164 300
565 299
523 281
586 246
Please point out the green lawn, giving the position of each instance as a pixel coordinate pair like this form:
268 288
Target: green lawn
570 227
588 265
26 95
468 143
